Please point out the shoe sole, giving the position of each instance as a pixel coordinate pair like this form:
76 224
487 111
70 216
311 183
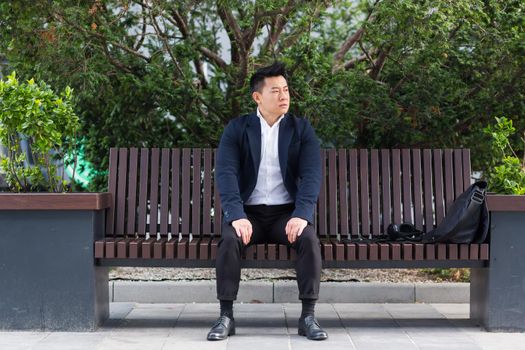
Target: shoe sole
213 338
303 333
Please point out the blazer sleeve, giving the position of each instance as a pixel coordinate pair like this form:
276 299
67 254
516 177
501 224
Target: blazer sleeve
227 172
309 175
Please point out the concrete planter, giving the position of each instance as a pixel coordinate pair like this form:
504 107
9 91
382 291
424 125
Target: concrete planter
48 277
497 292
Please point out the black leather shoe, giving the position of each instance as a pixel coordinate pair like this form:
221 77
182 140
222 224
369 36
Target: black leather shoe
310 328
222 328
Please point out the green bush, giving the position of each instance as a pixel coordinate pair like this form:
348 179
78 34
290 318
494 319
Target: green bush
506 175
34 113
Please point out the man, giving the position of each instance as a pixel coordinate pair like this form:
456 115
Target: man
269 175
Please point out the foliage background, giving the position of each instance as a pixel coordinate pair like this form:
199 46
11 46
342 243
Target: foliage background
381 73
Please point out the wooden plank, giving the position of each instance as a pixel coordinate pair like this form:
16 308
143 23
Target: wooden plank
143 193
112 188
123 248
430 252
396 185
362 251
217 212
185 185
332 193
164 191
407 186
458 172
375 192
418 190
466 169
171 252
354 191
438 181
327 250
132 191
351 251
204 248
175 193
449 179
339 251
395 251
427 190
193 248
441 251
207 194
214 245
135 248
474 251
407 251
159 248
196 194
364 190
147 248
321 203
283 252
111 249
343 193
419 251
373 251
121 190
484 251
464 252
384 251
182 248
453 251
154 193
385 188
272 251
261 252
99 249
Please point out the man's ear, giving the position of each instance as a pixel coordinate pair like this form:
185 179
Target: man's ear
256 95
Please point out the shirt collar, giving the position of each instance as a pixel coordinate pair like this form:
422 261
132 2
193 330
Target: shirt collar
265 122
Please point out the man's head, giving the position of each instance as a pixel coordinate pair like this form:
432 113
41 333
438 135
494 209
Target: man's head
270 90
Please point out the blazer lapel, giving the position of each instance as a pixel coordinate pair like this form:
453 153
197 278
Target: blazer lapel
253 129
285 137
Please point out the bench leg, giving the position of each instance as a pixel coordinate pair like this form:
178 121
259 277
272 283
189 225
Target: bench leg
497 293
48 277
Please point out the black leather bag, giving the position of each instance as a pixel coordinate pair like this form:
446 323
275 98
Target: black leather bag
466 221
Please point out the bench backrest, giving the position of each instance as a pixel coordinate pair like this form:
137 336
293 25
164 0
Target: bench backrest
171 192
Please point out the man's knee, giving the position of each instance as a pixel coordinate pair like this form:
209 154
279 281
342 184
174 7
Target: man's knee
308 236
229 237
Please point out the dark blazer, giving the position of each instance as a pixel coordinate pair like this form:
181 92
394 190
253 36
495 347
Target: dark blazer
239 156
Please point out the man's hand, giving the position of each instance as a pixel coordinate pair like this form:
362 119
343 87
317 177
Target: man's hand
243 228
294 228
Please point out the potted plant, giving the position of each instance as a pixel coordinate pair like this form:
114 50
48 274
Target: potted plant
47 231
494 290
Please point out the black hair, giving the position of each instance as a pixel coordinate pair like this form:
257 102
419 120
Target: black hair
257 79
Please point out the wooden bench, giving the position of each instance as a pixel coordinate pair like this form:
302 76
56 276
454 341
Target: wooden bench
166 209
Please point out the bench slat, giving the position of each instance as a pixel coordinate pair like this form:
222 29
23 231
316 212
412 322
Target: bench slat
438 181
143 192
112 188
164 191
207 194
132 192
374 193
364 191
396 185
154 193
185 185
427 188
175 194
449 179
332 192
385 188
407 185
343 193
121 190
196 193
353 188
418 193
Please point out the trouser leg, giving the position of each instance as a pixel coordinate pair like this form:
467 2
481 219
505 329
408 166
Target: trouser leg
228 264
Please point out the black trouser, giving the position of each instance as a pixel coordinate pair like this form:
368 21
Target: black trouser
268 223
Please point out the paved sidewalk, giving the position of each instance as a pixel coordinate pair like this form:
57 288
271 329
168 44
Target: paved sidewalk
274 326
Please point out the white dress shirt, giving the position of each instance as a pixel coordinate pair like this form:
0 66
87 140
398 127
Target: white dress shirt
270 188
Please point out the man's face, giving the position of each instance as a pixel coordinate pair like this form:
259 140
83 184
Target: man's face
273 99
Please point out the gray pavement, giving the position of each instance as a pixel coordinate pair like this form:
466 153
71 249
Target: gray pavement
274 326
